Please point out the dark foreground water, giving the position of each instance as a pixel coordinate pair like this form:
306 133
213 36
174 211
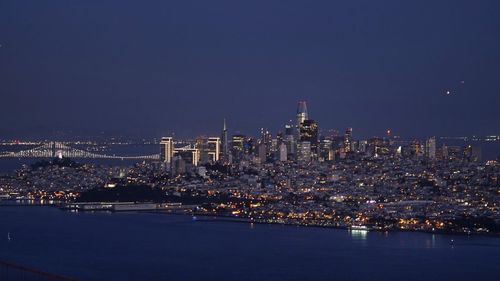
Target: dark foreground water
141 246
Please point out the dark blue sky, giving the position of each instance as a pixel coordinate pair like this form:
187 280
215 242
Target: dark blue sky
153 67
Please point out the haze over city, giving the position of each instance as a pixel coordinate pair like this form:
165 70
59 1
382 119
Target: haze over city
162 67
249 140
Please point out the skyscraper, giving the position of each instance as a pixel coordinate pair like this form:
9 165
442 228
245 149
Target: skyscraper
178 165
267 140
189 154
224 141
202 146
213 148
166 149
238 143
304 151
430 148
289 139
283 152
348 140
209 148
262 153
473 153
325 150
309 133
301 113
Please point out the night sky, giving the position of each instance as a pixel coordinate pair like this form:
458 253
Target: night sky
155 67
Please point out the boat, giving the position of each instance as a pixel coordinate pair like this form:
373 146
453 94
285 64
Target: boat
359 227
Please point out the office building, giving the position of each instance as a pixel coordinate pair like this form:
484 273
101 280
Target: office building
166 149
430 148
213 148
325 150
473 153
188 154
283 153
309 133
348 140
224 141
290 139
301 113
262 153
304 151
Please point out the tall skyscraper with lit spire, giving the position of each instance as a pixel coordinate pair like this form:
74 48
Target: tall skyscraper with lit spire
301 112
225 149
301 117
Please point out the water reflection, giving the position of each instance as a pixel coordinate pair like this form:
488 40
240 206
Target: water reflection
53 237
430 242
358 234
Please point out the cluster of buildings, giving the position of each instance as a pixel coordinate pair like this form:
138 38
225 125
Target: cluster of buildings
59 179
300 141
302 177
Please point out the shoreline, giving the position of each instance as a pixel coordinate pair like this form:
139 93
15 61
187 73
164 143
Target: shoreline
246 220
226 218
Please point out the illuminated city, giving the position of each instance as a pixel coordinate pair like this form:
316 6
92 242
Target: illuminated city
249 141
295 176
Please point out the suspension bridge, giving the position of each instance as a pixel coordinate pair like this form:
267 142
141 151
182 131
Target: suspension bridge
59 149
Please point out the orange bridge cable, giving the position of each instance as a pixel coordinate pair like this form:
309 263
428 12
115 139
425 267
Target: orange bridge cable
36 271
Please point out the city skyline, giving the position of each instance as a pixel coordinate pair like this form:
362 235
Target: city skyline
300 116
157 68
249 140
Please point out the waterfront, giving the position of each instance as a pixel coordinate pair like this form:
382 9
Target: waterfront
490 151
143 246
9 165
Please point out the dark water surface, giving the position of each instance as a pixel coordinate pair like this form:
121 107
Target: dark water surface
143 246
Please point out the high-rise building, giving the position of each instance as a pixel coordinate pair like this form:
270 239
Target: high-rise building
178 166
289 129
304 151
444 152
301 117
224 140
418 149
376 147
283 152
280 137
190 155
249 146
166 149
309 133
237 147
301 113
266 139
238 142
430 148
209 148
202 146
290 139
213 148
473 153
362 146
455 152
262 153
325 150
348 140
